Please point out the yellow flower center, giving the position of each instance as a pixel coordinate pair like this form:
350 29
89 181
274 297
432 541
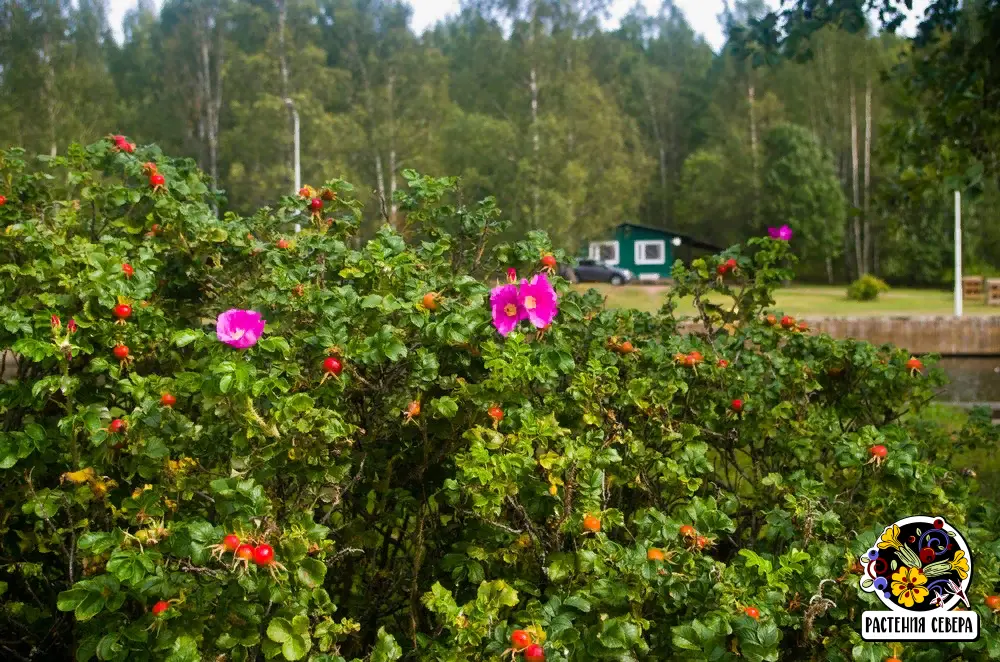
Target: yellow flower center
510 310
529 303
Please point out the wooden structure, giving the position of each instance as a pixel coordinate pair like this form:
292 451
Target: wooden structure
993 291
972 289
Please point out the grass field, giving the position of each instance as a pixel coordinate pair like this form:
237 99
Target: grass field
806 301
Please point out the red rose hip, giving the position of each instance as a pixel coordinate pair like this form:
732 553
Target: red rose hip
128 270
520 639
534 653
737 405
879 451
156 179
120 352
752 612
263 554
316 204
160 607
168 400
122 311
117 425
495 413
231 542
549 261
333 365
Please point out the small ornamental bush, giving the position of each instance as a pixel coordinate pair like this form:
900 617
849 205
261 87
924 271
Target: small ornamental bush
226 441
866 288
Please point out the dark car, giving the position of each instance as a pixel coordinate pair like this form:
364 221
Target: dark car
592 271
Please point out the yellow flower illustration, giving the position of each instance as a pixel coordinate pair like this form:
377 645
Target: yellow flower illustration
908 586
890 538
961 564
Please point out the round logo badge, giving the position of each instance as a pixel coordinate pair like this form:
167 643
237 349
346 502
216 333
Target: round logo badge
918 564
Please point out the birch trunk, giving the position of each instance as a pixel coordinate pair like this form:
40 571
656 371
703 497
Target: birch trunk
209 82
751 96
535 145
283 65
858 256
392 150
867 251
50 90
380 182
370 108
658 137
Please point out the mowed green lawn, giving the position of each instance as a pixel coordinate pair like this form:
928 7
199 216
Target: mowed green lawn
805 301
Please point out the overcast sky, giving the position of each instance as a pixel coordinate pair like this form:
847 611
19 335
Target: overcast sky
701 14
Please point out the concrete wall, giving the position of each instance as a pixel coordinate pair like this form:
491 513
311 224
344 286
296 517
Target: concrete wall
975 335
967 335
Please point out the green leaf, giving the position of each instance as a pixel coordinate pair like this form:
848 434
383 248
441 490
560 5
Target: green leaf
184 649
577 602
296 647
445 406
109 647
685 638
371 301
185 337
386 649
68 600
91 606
311 572
274 344
561 565
279 630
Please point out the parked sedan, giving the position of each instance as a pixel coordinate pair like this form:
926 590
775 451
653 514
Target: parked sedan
592 271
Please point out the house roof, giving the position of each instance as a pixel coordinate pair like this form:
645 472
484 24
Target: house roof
687 239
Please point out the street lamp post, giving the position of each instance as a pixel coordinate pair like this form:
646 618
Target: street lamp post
298 166
958 254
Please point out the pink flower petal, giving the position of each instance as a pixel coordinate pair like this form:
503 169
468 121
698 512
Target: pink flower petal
239 328
506 309
539 300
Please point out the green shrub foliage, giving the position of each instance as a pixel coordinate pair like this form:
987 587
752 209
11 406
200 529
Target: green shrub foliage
867 288
431 534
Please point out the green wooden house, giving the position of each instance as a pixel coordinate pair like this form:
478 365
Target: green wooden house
648 252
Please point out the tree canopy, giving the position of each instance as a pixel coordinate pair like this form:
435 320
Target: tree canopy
574 127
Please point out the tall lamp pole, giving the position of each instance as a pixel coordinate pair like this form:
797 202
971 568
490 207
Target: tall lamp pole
298 166
958 254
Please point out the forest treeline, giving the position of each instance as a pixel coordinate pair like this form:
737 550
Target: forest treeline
573 127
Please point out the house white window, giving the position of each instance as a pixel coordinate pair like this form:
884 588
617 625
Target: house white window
605 252
651 252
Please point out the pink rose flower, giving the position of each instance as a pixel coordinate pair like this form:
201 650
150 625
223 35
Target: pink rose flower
507 310
539 301
784 233
239 328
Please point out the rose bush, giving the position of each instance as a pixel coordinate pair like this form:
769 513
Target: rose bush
181 483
